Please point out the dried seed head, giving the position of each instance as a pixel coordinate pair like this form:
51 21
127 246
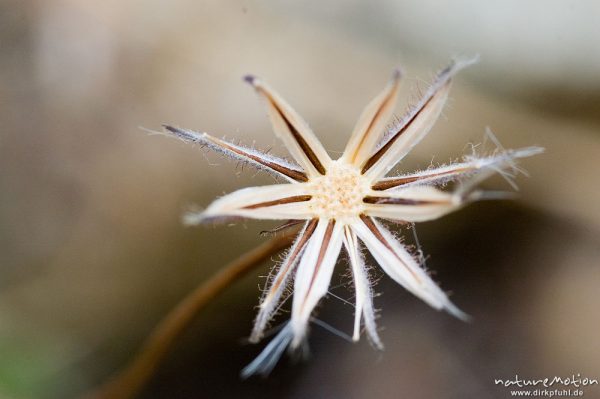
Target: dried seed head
340 201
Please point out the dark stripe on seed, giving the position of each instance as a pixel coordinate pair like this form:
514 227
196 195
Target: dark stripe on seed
310 154
281 201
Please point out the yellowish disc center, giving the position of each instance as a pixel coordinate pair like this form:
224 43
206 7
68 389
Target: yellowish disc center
339 194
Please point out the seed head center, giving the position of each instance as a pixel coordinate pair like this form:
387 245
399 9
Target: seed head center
339 194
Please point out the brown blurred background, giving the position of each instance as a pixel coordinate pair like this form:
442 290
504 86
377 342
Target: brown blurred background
93 254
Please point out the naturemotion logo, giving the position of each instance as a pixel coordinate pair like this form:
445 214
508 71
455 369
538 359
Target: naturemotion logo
557 386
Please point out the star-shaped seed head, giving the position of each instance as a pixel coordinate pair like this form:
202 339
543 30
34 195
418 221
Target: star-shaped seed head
341 201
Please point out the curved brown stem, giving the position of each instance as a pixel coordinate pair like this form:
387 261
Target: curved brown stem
127 383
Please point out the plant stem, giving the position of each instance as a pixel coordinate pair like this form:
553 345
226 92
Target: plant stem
128 383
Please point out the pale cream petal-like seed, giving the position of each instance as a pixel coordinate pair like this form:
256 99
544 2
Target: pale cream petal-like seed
401 266
364 295
260 160
443 174
415 125
279 201
314 274
372 123
295 133
278 284
412 204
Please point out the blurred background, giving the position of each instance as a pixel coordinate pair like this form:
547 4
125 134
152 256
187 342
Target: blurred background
93 253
